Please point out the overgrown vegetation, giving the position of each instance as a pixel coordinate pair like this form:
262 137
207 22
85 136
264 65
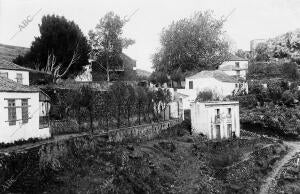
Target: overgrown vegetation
273 108
122 105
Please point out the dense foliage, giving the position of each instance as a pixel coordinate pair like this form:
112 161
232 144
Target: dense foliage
121 105
273 109
190 45
60 38
107 44
263 70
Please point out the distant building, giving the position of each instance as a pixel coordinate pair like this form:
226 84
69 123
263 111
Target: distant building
235 66
86 75
216 120
125 72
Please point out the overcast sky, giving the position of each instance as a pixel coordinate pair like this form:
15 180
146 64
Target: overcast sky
252 19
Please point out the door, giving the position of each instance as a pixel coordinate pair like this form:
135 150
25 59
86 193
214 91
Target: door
229 130
218 132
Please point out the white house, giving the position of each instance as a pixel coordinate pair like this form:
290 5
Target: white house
19 110
24 109
216 120
235 66
14 72
216 81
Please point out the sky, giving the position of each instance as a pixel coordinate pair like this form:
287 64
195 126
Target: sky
250 19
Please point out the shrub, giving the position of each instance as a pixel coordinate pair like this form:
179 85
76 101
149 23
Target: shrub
246 101
290 70
207 95
287 98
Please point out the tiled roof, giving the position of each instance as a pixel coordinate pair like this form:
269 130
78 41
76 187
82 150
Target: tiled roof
7 85
217 74
232 57
10 66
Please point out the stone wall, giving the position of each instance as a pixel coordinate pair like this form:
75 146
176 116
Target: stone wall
141 132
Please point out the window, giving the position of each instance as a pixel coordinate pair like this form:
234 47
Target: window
4 74
190 84
229 112
217 117
237 64
24 110
12 116
238 72
19 78
218 111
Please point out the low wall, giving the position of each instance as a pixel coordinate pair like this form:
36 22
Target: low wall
141 132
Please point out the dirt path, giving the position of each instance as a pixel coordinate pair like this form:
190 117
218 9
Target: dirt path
270 182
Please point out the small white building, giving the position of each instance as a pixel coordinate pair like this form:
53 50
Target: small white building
14 72
216 120
235 66
19 112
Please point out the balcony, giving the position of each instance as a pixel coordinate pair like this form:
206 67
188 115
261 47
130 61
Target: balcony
217 119
228 118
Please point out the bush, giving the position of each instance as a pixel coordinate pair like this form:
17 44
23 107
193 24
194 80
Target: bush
207 95
246 101
288 98
290 70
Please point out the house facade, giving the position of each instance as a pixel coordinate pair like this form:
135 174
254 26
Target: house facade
216 120
22 107
235 66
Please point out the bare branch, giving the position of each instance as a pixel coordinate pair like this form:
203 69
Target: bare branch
75 58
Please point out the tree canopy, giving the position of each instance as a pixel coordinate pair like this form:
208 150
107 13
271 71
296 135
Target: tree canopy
107 43
61 42
191 45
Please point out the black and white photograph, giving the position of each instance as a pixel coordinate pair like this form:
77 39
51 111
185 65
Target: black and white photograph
150 96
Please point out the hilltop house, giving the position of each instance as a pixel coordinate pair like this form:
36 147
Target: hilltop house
216 120
23 109
235 66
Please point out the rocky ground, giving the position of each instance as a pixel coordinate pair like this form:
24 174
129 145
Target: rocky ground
176 163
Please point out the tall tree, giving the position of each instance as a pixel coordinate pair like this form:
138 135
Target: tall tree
61 49
191 45
107 43
261 52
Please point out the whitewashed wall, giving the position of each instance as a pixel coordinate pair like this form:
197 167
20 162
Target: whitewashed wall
203 118
12 74
221 88
21 131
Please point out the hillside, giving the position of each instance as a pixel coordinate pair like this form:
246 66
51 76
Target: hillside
9 53
286 43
